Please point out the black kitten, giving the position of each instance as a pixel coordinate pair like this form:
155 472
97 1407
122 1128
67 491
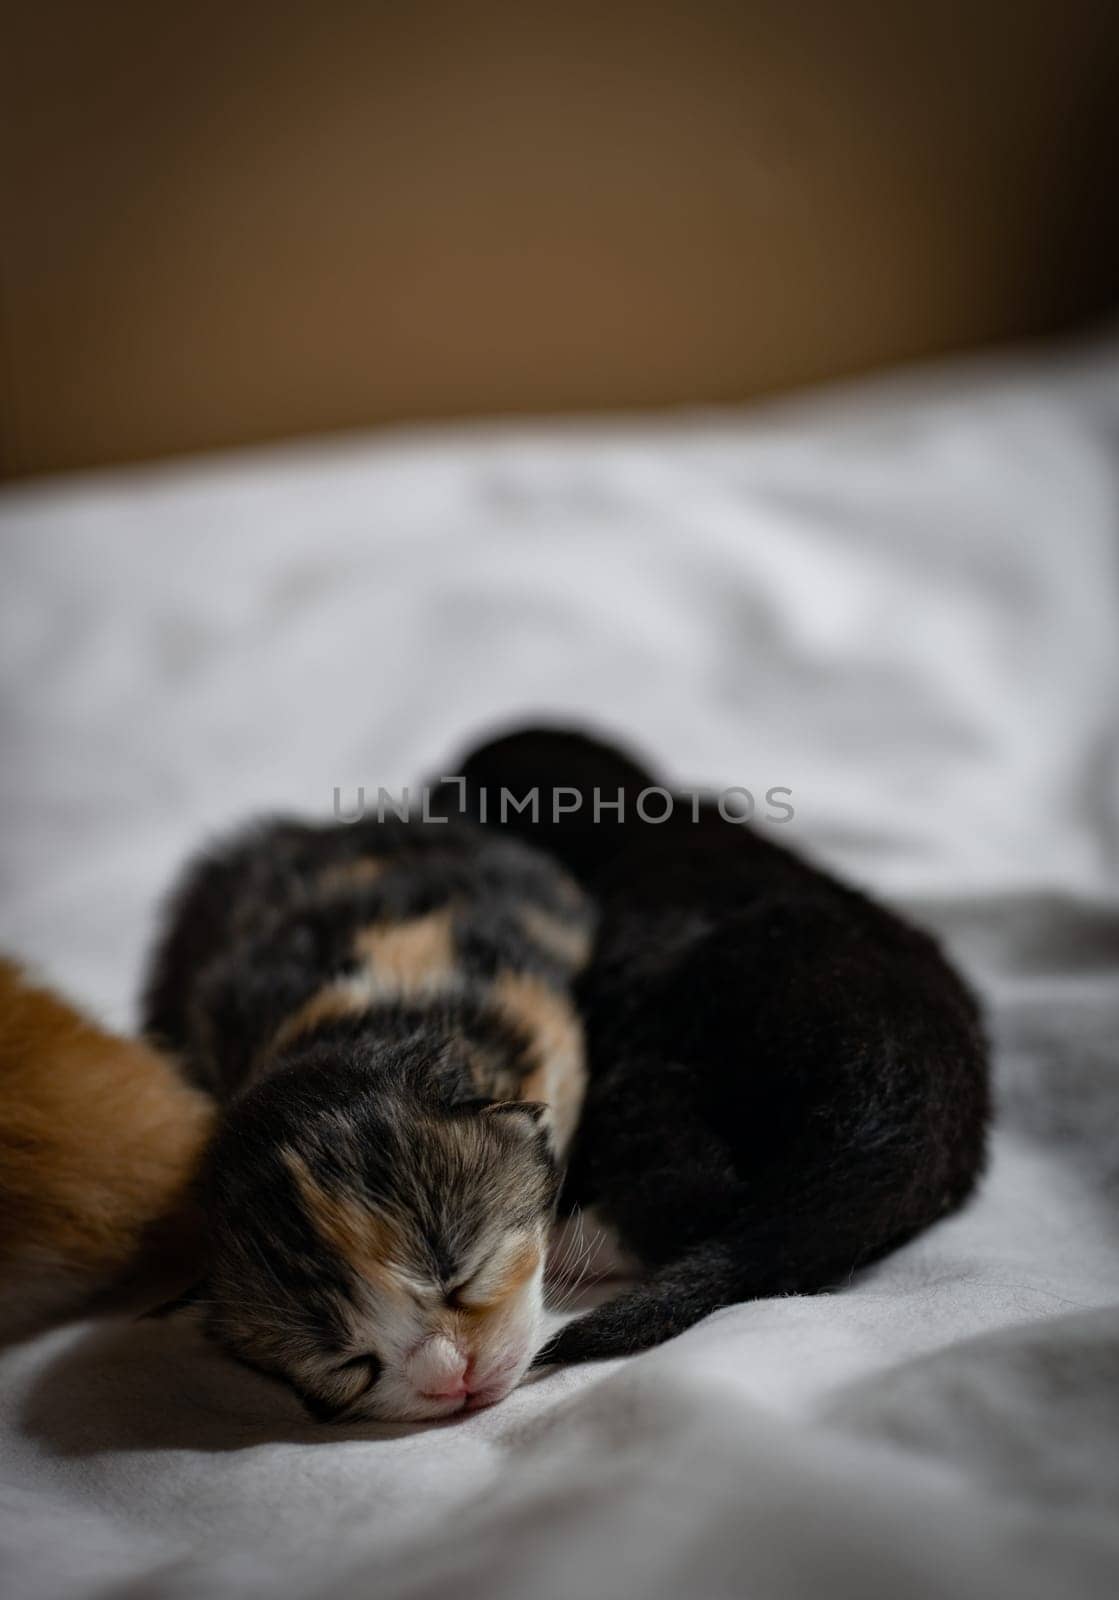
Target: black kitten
787 1081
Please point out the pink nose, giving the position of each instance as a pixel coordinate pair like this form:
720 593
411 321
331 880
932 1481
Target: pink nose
441 1370
456 1388
449 1389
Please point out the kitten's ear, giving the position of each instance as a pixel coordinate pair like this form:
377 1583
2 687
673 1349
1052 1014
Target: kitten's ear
526 1114
181 1302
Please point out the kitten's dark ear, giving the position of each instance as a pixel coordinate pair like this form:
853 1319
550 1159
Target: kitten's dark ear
526 1114
181 1302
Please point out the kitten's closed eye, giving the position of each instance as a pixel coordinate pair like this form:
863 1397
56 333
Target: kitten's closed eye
361 1374
372 1365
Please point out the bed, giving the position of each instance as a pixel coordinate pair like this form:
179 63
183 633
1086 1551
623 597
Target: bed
899 601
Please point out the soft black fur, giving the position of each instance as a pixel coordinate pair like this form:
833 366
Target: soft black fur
787 1081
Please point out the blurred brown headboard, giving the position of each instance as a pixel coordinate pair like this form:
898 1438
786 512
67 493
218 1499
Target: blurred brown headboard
229 222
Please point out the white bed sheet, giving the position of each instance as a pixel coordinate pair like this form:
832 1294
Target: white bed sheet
900 601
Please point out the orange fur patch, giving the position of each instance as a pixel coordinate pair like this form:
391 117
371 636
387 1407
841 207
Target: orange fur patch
549 1021
364 1239
402 959
346 997
99 1139
413 956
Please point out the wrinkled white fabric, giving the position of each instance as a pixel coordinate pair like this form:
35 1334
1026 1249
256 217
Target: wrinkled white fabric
898 601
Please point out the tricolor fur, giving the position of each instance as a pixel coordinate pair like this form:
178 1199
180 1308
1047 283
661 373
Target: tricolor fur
384 1009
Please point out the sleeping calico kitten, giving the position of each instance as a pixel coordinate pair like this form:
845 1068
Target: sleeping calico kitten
786 1081
384 1011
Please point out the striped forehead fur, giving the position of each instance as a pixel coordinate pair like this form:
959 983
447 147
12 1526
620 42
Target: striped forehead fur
453 1188
371 1173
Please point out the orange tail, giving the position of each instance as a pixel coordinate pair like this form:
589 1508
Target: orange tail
100 1140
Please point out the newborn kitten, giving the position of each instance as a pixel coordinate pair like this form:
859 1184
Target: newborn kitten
383 1008
786 1081
100 1140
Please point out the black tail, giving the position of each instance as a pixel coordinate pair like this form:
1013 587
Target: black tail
678 1295
801 1239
